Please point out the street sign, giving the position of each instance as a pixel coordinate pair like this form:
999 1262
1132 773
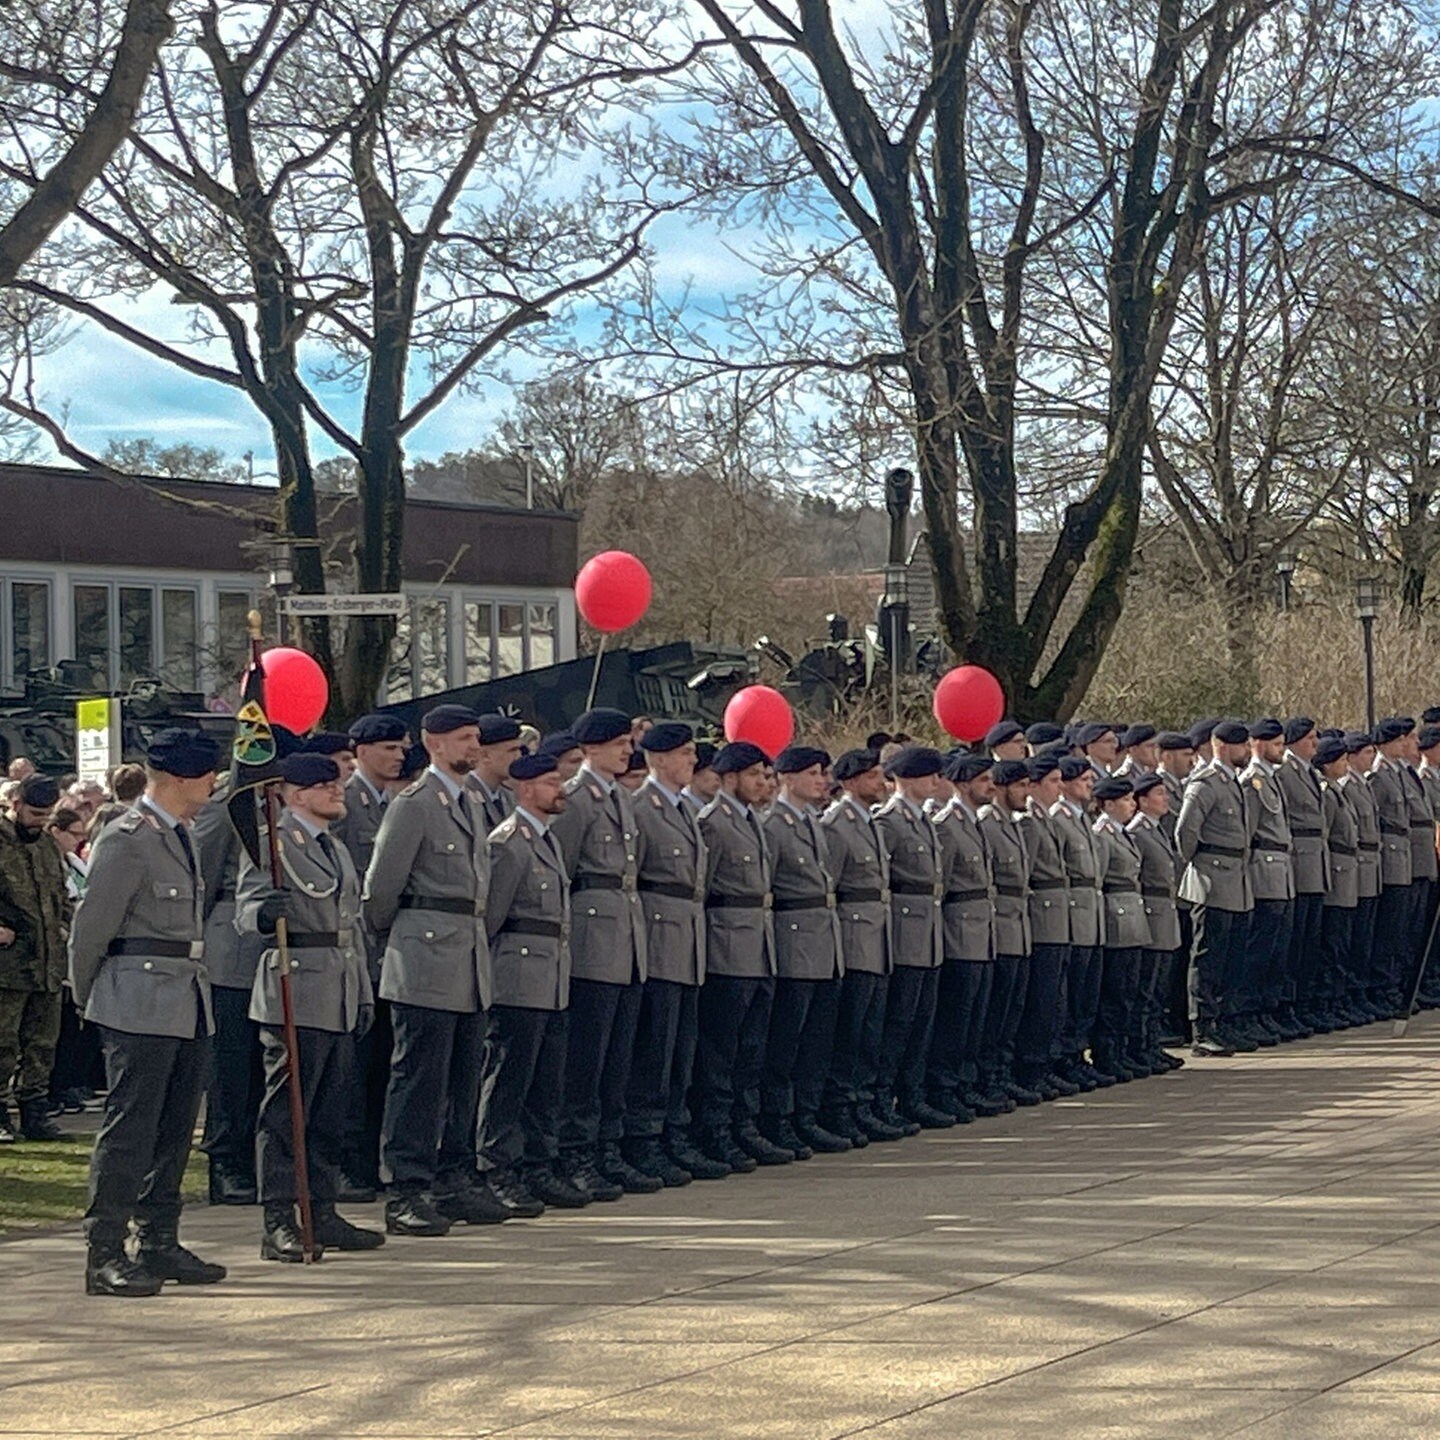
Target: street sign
97 739
346 604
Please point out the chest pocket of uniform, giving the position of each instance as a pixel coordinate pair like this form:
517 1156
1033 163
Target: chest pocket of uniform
180 891
452 847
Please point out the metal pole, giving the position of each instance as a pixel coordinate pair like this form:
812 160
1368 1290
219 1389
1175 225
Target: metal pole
1367 623
595 673
894 667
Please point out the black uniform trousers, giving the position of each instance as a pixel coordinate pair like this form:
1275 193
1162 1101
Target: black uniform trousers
367 1097
798 1047
601 1047
1360 969
1424 909
78 1062
1116 1024
1392 937
427 1136
327 1077
1082 1000
1217 950
905 1041
1037 1041
734 1023
522 1086
1006 998
236 1083
959 1021
1300 980
1332 979
658 1026
859 1030
143 1146
1155 970
1258 979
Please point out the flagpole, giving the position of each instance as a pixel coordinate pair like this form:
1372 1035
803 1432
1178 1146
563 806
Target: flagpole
595 673
287 1001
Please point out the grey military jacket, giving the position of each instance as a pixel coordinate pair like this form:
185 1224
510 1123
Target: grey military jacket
1084 865
1309 858
1367 823
1342 824
1049 899
230 957
969 904
1271 877
1175 789
672 886
807 927
1126 924
431 848
601 842
329 980
1159 882
494 805
142 896
1394 814
861 870
1010 865
1213 838
357 831
527 917
917 888
739 926
1430 782
1422 826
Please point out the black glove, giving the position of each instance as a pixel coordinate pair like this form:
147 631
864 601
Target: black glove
276 906
365 1021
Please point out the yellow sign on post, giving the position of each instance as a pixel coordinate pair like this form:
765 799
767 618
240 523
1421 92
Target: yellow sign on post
97 738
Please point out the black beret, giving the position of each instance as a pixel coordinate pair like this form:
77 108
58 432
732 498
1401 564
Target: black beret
497 729
705 753
1269 729
444 719
1297 727
1044 732
967 766
377 729
600 725
1429 737
1393 727
914 762
855 762
1333 732
636 761
1430 716
328 742
795 758
1072 767
1010 772
1358 740
1200 732
532 767
309 767
1039 766
1232 732
1113 787
416 759
668 735
1174 740
40 792
1137 735
1143 784
1089 734
1057 749
557 743
1329 750
186 754
736 756
1005 730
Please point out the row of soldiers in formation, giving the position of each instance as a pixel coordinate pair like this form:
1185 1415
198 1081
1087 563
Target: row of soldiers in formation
522 980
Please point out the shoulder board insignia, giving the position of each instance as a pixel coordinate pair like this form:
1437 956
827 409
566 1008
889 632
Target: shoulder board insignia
596 792
414 788
133 821
790 820
656 801
1258 782
506 828
298 835
525 832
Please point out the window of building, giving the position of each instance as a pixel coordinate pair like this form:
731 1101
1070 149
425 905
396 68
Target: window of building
231 650
124 633
509 639
479 642
91 605
540 636
137 633
179 639
29 628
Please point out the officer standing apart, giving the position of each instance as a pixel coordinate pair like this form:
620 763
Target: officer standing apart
33 901
332 998
137 972
425 894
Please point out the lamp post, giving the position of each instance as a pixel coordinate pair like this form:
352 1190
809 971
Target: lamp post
1367 607
1285 573
527 454
897 612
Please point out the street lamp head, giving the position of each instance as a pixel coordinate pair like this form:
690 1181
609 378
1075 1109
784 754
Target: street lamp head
899 491
282 568
1367 597
1285 562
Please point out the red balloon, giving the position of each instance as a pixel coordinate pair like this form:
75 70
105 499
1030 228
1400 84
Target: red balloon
296 690
762 716
612 590
968 701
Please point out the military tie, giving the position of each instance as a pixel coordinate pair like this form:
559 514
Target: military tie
189 849
327 849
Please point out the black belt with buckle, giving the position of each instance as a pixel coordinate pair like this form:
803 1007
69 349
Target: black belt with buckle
312 939
159 949
1340 849
910 887
1014 891
1370 845
1276 847
1387 828
445 904
1229 851
597 882
1306 834
1157 892
959 897
1050 884
546 929
735 902
858 897
673 889
803 903
1123 890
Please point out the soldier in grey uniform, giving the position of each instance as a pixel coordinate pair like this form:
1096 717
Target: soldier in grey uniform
564 749
1177 760
917 895
1427 742
137 972
1423 860
1213 838
1256 990
809 965
332 998
1084 869
735 1000
602 846
1006 741
1394 913
1333 979
527 918
380 743
1359 756
1010 867
968 971
1142 752
425 894
1159 884
704 784
1202 741
1101 747
671 882
1118 1027
499 745
861 869
1310 862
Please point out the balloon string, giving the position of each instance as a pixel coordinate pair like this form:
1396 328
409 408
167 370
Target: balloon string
595 673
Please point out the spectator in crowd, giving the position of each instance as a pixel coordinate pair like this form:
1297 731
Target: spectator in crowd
20 767
127 783
69 830
107 812
77 1052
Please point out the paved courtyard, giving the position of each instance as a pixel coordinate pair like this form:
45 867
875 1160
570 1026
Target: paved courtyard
1248 1247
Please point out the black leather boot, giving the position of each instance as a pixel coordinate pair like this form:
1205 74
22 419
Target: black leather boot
110 1271
335 1232
162 1254
282 1239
